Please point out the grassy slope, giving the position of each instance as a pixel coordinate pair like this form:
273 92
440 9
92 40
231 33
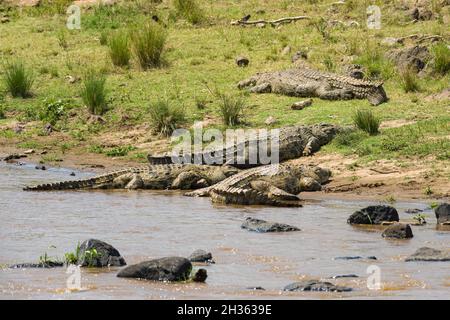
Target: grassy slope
206 53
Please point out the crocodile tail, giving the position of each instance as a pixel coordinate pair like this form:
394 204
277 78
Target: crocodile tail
90 183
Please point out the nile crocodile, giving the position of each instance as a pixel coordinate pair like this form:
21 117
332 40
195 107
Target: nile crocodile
294 142
304 82
275 185
157 177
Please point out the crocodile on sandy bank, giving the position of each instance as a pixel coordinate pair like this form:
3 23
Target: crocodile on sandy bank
304 82
294 142
156 177
274 185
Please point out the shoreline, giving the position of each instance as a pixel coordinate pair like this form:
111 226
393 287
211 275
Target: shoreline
372 183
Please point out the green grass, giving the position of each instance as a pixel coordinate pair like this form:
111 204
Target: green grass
119 49
366 121
18 79
190 10
409 80
232 108
441 58
165 117
192 55
148 44
94 92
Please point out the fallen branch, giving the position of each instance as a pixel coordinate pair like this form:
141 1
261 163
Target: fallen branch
271 22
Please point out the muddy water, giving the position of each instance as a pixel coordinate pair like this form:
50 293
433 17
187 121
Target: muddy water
144 225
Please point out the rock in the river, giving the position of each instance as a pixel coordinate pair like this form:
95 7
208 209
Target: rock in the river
355 258
398 231
344 276
43 265
164 269
413 211
14 156
443 213
200 276
315 285
96 253
201 256
266 226
374 215
429 254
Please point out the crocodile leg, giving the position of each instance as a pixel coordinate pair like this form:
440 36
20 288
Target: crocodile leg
328 93
261 88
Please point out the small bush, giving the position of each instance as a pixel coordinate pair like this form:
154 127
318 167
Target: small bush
18 79
441 57
148 44
2 112
366 121
94 92
372 57
408 80
53 111
165 118
231 108
190 10
119 49
120 151
62 40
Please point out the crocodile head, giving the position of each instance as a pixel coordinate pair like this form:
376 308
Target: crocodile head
377 95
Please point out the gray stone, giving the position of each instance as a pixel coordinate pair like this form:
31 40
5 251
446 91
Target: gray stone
263 226
315 285
429 254
398 231
374 215
164 269
106 255
443 213
201 256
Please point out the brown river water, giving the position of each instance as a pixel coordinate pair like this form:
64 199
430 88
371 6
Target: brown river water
147 224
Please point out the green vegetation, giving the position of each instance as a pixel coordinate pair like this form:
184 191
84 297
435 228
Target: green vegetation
119 49
91 257
18 79
206 52
72 257
420 218
441 57
366 121
94 92
148 44
190 10
165 117
409 80
231 108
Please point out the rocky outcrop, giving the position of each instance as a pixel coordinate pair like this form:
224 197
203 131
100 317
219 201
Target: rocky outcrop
263 226
398 231
96 253
315 285
415 58
201 256
374 215
443 213
429 254
164 269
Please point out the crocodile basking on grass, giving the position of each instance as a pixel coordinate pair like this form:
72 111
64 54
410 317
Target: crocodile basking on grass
293 142
274 185
156 177
304 82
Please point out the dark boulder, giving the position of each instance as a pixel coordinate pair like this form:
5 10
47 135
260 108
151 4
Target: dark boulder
398 231
96 253
266 226
374 215
242 61
429 254
355 258
315 285
201 256
414 58
443 213
200 276
164 269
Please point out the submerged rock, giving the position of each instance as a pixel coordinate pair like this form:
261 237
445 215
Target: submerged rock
201 256
374 215
266 226
43 265
96 253
344 276
315 285
443 213
398 231
164 269
355 258
429 254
